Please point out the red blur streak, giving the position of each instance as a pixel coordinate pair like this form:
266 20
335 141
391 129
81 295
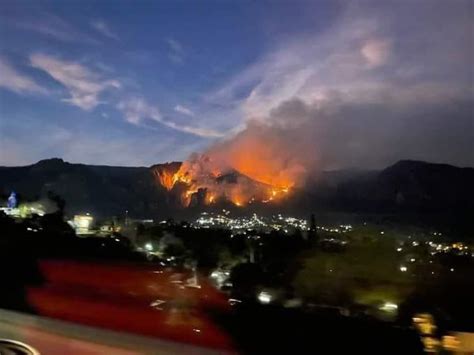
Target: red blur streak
137 280
118 297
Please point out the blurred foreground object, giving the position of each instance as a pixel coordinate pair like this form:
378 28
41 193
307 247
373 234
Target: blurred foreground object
135 298
53 337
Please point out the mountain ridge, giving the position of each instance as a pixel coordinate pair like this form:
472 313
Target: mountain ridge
404 188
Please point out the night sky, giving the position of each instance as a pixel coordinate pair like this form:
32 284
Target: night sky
334 83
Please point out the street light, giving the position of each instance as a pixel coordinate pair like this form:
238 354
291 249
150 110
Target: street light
264 297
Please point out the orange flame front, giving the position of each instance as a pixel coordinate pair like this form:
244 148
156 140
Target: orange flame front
202 173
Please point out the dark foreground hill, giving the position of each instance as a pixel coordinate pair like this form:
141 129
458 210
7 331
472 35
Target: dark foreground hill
409 189
101 190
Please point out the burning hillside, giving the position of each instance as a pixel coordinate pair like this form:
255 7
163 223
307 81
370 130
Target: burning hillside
260 164
166 174
203 180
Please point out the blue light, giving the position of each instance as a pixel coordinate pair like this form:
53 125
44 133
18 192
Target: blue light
12 201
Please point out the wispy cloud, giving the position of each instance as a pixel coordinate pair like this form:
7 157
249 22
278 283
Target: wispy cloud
361 57
54 27
184 110
201 132
84 85
104 29
136 110
176 51
20 83
376 52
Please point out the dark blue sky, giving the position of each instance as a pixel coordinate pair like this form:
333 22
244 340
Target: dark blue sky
142 82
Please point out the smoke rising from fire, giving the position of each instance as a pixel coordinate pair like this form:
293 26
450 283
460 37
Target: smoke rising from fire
374 88
266 154
298 140
363 94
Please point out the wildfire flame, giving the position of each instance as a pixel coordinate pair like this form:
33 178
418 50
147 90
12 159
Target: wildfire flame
201 178
167 179
169 174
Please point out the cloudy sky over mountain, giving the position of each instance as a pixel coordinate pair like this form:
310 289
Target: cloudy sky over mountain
337 83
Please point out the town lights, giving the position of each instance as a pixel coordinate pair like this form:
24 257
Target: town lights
389 307
148 247
403 268
264 297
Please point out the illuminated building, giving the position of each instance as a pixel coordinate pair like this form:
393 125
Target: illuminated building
83 223
12 212
24 210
